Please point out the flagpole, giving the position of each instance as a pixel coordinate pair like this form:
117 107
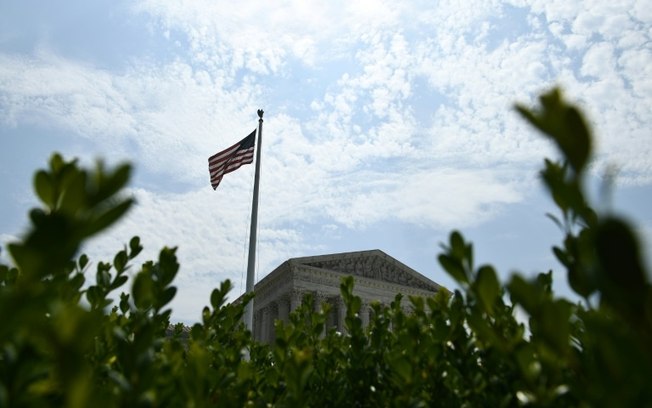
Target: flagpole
251 266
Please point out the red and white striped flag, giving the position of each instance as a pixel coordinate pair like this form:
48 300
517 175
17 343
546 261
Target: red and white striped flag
231 159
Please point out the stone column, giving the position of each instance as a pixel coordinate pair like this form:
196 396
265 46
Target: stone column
318 301
341 315
265 324
331 321
364 314
258 325
283 309
371 313
273 315
295 299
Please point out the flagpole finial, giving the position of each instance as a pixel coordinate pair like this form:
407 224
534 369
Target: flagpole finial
260 113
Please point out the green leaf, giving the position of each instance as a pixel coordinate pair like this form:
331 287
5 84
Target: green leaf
142 291
119 281
44 187
93 295
73 194
56 162
82 262
38 217
524 293
134 247
580 281
124 302
107 218
565 125
110 184
104 277
561 256
621 276
480 326
453 267
8 275
206 315
120 261
487 287
575 141
553 326
528 362
217 299
457 246
168 265
166 296
401 366
580 255
77 281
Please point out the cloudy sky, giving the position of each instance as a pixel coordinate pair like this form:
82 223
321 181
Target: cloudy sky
387 124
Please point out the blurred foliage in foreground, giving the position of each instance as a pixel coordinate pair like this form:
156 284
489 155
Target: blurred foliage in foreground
65 342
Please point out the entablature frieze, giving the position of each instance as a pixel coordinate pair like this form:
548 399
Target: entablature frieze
376 268
329 281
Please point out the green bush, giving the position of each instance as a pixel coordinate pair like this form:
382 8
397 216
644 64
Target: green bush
63 342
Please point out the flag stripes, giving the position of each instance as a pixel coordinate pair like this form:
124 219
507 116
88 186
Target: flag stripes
231 159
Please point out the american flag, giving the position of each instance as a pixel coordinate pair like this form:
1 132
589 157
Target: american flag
231 159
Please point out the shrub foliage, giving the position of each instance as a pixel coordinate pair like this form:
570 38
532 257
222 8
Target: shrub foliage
69 340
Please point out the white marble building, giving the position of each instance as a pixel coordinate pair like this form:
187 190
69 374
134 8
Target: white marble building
378 277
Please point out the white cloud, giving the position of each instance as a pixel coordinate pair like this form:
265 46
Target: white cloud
434 198
599 61
262 36
178 109
636 65
168 117
49 88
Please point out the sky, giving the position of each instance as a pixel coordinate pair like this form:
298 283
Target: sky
387 124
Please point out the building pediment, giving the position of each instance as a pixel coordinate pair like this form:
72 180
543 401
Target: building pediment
374 264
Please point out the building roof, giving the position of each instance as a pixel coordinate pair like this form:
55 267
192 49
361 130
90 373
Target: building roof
367 265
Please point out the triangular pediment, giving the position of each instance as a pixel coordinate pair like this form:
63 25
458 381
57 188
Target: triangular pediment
374 264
